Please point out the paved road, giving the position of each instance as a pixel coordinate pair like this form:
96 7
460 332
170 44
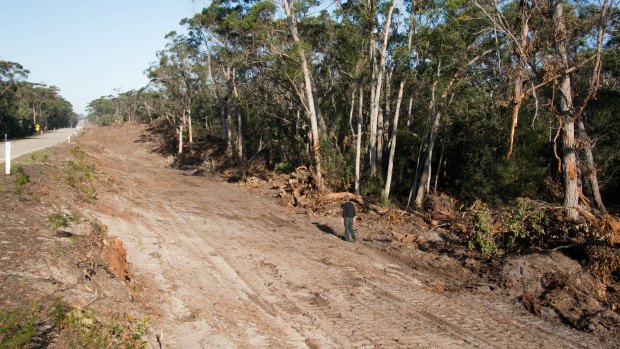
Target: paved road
35 143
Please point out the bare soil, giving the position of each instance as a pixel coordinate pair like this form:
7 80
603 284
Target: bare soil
223 265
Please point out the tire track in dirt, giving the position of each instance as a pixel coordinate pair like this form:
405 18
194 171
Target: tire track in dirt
234 270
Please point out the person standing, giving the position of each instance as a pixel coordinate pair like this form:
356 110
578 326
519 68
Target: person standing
348 216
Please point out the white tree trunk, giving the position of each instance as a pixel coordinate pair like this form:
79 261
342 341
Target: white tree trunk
399 99
310 100
358 147
181 139
388 181
376 95
189 122
410 112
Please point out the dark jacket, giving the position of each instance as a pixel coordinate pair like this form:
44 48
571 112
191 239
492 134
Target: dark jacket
348 210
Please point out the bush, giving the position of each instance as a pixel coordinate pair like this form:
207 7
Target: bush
63 220
81 174
338 168
527 224
21 178
483 238
373 186
19 327
284 167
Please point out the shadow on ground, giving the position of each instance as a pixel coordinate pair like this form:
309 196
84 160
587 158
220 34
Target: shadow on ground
327 229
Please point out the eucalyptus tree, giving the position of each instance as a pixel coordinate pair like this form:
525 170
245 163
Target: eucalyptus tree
10 74
376 86
102 110
291 9
231 36
403 61
458 40
43 105
549 42
175 75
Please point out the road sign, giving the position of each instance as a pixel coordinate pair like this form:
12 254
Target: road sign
37 127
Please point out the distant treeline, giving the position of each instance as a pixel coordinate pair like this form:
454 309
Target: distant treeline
24 104
491 100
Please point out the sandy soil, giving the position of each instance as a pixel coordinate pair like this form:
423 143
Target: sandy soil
227 267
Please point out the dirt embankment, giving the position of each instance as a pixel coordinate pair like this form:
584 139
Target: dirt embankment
217 264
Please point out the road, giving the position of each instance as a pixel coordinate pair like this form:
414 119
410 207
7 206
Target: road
229 268
32 144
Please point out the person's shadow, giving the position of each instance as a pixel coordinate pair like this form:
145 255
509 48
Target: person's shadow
327 229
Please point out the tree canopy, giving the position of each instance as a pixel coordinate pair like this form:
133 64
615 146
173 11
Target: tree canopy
23 104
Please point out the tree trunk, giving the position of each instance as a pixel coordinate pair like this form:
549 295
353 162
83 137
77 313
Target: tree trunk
375 102
226 124
520 48
416 175
229 125
569 160
388 181
590 165
399 99
423 185
410 112
380 133
358 147
181 139
34 115
590 169
351 110
387 111
443 146
312 114
372 141
239 142
189 123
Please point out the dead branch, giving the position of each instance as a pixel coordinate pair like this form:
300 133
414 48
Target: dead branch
339 196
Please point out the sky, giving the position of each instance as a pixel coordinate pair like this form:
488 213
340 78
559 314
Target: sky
89 48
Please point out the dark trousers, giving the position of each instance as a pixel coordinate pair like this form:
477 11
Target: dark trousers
348 229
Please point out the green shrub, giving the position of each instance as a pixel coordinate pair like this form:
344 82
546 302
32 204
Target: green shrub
483 238
84 330
526 223
21 178
63 220
372 186
81 174
338 168
284 167
18 326
26 327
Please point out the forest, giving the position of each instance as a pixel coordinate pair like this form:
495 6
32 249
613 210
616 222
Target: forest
25 104
487 101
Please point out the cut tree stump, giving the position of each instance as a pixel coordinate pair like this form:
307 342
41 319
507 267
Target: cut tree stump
115 256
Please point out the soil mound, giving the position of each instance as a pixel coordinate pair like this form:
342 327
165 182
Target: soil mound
552 285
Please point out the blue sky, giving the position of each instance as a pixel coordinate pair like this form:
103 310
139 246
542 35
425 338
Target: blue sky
88 48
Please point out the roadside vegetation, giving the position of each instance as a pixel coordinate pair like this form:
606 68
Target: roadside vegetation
81 174
38 323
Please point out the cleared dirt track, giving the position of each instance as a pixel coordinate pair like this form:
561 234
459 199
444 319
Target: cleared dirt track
230 268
